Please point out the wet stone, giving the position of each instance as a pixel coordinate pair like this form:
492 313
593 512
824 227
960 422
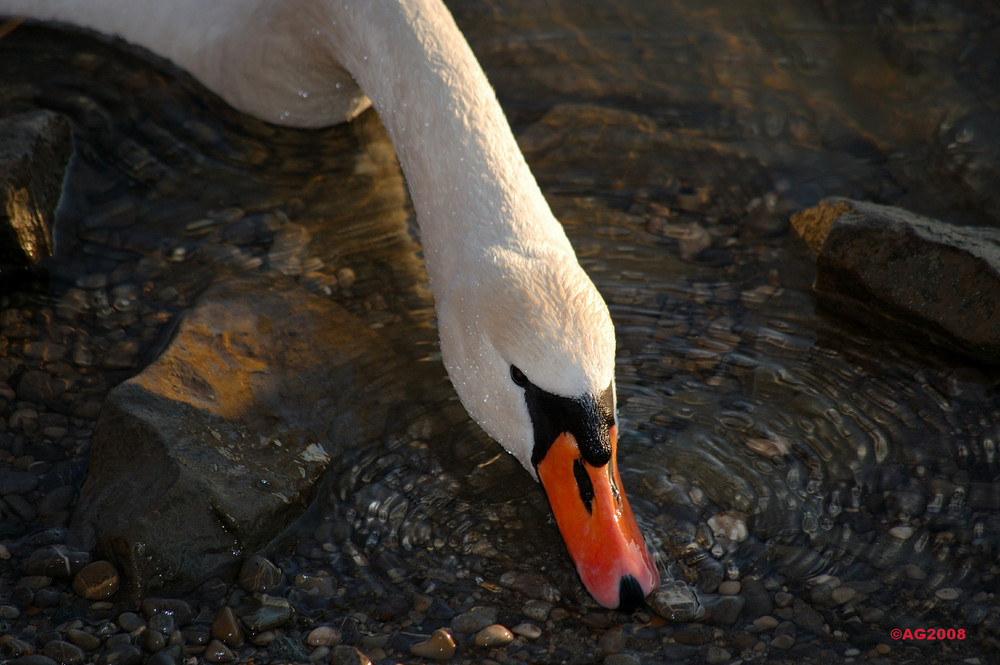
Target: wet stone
537 610
493 636
726 610
676 601
33 659
715 655
346 655
287 649
529 631
785 641
130 622
271 613
475 619
121 654
947 593
217 652
226 627
96 581
180 610
620 659
258 574
64 652
56 561
323 636
83 639
17 482
153 641
440 646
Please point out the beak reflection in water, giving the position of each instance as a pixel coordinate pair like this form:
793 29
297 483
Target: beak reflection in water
596 522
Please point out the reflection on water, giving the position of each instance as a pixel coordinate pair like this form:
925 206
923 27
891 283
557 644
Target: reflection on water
673 140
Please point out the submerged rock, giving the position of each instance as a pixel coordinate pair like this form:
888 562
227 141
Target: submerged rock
218 446
886 266
34 151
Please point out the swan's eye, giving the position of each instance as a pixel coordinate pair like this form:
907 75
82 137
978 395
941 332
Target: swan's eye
518 376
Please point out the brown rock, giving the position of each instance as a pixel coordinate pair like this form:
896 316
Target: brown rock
891 268
34 151
96 581
260 382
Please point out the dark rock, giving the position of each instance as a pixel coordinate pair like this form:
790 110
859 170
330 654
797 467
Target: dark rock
258 574
888 267
17 482
287 649
34 151
226 627
64 652
267 614
56 561
178 609
247 389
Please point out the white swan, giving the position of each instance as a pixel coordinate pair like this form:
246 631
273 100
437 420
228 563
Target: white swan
526 338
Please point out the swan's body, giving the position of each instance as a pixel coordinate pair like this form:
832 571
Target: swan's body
525 336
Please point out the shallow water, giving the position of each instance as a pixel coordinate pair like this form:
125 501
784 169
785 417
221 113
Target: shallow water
673 140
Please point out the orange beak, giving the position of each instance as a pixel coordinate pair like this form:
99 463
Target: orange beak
597 524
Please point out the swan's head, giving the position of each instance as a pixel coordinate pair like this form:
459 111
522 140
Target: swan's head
530 347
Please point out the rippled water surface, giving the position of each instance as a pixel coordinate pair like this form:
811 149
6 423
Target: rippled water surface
673 139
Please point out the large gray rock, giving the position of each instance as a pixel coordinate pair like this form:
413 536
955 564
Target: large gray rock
34 151
219 445
887 266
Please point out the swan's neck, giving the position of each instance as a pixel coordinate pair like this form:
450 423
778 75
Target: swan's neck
468 180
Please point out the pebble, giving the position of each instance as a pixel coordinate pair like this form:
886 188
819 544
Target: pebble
258 574
765 623
785 641
843 594
715 655
527 630
620 659
440 646
537 609
130 622
272 613
947 593
729 588
97 581
82 639
676 601
347 655
17 482
217 652
226 627
64 652
475 619
323 636
179 610
57 561
493 636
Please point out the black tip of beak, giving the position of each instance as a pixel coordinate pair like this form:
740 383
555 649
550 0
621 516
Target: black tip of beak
630 596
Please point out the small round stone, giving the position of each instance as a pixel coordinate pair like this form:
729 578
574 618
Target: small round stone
82 639
527 630
64 652
323 636
947 593
217 652
258 574
493 636
842 594
96 581
729 588
440 646
226 627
